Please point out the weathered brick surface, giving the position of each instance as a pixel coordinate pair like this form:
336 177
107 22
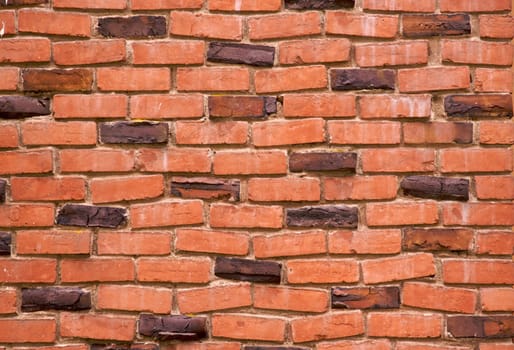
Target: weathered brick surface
23 106
323 216
51 298
206 188
362 79
57 80
322 161
172 327
318 4
134 133
366 298
432 25
241 106
437 239
5 243
494 106
248 270
91 216
481 326
254 55
132 27
436 187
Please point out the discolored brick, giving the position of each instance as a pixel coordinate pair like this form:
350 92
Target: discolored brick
135 346
438 239
254 55
134 132
362 79
3 185
434 25
57 79
366 298
5 243
172 327
22 2
242 106
132 27
23 106
91 216
481 326
339 216
319 4
54 298
206 188
248 270
436 187
322 161
493 106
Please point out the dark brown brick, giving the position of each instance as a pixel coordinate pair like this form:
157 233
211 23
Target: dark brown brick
337 216
242 106
3 185
481 326
251 347
91 216
23 106
362 79
319 4
134 132
366 298
206 188
322 161
434 25
57 79
436 187
132 27
22 2
254 55
437 239
493 106
248 270
53 298
5 243
172 327
136 346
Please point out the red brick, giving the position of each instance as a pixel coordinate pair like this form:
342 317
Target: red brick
380 344
494 187
476 52
314 51
55 133
71 53
101 327
90 106
355 133
427 346
10 78
8 20
283 189
347 23
106 190
404 325
284 25
8 135
475 160
289 132
290 244
166 106
402 213
97 270
205 346
208 241
398 160
26 162
245 5
496 133
176 270
474 5
240 326
165 4
134 298
54 23
245 216
496 26
398 268
133 79
246 163
360 187
26 215
495 242
400 5
133 243
497 299
290 79
437 133
91 4
493 80
433 79
496 346
213 79
168 52
395 106
394 54
290 299
158 214
319 105
438 239
192 160
206 25
322 271
478 214
27 330
53 242
8 301
333 326
478 271
365 242
22 50
214 298
28 271
209 133
97 160
429 296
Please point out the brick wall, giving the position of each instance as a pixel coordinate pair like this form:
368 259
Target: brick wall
256 174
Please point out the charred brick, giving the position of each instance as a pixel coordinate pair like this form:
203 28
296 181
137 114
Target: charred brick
248 270
22 2
132 27
319 4
142 346
337 216
57 79
254 55
242 106
437 239
436 187
206 188
130 133
3 185
12 107
493 106
366 298
5 243
91 216
434 25
362 79
323 161
53 298
481 326
172 327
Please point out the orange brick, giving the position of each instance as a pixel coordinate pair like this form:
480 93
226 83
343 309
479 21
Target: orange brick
437 133
395 106
158 214
478 271
8 20
497 299
91 4
168 52
380 344
427 346
433 79
206 25
283 189
475 160
478 214
289 244
476 52
290 79
288 132
8 135
394 54
496 346
400 5
207 346
166 106
402 213
348 133
245 5
284 25
429 296
360 187
322 271
398 268
97 270
494 187
246 216
246 163
493 80
192 160
26 215
26 162
27 330
53 242
10 78
398 160
209 133
495 242
494 133
496 26
214 298
8 301
133 79
70 53
101 327
90 106
474 5
208 241
106 190
347 23
28 271
25 50
97 160
332 326
213 79
319 105
404 325
165 4
314 51
290 299
240 326
365 242
134 298
55 133
133 243
48 188
177 270
54 23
